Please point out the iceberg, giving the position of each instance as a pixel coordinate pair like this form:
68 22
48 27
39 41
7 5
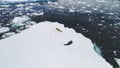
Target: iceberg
42 46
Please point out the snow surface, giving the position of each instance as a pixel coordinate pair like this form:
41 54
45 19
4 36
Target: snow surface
42 46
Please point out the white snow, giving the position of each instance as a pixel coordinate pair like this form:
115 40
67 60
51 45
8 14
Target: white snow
42 46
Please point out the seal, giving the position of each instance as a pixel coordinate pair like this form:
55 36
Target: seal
69 43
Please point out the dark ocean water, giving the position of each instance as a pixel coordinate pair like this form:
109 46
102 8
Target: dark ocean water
103 29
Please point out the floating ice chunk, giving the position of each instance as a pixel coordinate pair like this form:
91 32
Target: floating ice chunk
20 5
2 8
100 24
87 11
19 21
61 7
8 34
28 7
38 14
14 0
71 10
95 8
4 29
117 60
110 13
5 6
